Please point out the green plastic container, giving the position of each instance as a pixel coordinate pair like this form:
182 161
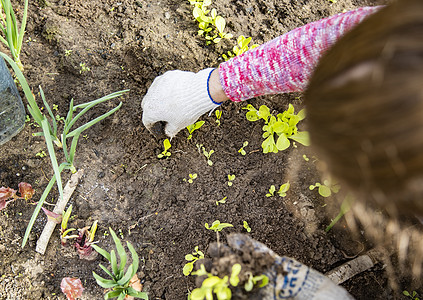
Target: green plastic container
12 111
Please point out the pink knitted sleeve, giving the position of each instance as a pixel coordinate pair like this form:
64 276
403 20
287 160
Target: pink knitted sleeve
285 64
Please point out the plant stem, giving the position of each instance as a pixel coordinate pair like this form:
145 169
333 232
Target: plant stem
58 209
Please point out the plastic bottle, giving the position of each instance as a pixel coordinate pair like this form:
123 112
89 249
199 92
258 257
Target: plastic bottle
12 111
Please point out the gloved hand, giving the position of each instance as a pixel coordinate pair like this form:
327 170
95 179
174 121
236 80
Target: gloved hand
288 278
176 99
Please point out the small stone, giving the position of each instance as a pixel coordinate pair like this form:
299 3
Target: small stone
167 15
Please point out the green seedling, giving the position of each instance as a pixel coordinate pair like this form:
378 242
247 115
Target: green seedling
120 280
281 192
345 207
283 127
218 114
206 153
192 258
41 154
231 178
12 34
68 53
64 230
193 127
165 153
246 226
192 177
217 227
327 188
222 201
242 151
84 68
240 48
414 295
263 280
305 157
214 285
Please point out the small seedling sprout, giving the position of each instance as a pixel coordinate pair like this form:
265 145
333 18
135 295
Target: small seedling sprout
192 258
222 201
165 153
413 296
246 226
327 188
253 280
193 127
284 189
271 192
206 153
242 151
218 114
217 227
192 177
64 231
231 178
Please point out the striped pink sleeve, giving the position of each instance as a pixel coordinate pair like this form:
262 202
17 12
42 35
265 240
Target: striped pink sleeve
285 64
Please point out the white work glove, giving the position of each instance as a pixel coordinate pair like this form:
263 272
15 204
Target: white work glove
288 278
177 98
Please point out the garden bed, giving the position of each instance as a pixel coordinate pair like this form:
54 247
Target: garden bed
125 45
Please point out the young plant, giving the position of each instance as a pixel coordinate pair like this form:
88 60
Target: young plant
327 188
253 280
120 280
246 226
192 177
192 258
240 48
193 127
218 114
281 192
214 285
6 193
85 240
413 296
231 178
242 151
283 127
222 201
206 153
345 207
64 230
13 35
165 153
217 227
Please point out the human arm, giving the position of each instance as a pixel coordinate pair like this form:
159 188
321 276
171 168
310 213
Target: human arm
279 66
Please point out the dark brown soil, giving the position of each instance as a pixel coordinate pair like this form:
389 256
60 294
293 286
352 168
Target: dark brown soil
126 187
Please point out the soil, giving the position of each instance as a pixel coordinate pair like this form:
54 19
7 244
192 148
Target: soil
126 187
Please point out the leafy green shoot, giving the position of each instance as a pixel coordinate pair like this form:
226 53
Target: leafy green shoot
191 128
271 192
327 188
280 129
192 177
413 296
345 207
64 231
253 280
241 150
206 153
240 48
222 201
165 153
246 226
192 258
231 178
120 280
283 189
218 114
217 226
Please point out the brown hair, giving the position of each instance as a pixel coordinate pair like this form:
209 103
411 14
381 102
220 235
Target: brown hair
365 108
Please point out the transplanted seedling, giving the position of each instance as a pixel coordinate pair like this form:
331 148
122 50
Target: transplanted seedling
165 153
214 285
327 188
242 151
206 153
246 226
253 280
193 127
217 227
283 189
192 258
231 178
120 280
192 177
242 47
64 230
283 127
222 201
218 114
